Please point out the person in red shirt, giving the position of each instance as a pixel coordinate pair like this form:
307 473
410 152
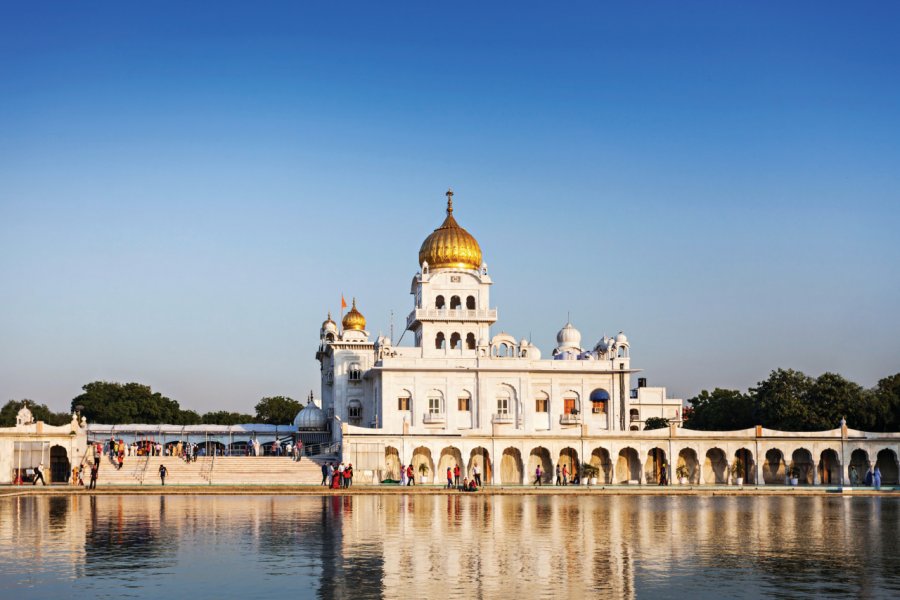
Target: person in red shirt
449 478
410 476
456 475
565 474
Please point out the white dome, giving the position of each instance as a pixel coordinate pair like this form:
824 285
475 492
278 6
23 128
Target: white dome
568 337
310 417
621 339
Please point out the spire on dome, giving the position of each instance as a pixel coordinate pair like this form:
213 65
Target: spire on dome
449 201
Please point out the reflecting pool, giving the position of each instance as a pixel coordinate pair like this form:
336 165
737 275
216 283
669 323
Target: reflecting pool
456 546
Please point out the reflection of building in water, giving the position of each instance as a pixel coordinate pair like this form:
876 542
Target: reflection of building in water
34 530
461 395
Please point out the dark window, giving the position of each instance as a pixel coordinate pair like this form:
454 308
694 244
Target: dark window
470 302
403 403
439 302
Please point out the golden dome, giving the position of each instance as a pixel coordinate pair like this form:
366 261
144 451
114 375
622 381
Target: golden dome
450 246
354 320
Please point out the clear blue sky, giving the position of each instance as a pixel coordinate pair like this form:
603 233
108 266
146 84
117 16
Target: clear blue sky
186 189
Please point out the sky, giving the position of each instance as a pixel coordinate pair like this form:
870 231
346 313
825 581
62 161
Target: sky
187 188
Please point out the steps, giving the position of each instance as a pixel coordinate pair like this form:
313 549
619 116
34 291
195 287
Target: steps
223 470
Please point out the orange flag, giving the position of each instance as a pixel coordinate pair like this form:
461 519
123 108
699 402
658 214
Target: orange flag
343 302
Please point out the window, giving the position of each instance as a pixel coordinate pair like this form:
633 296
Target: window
470 302
503 405
455 341
540 405
634 415
439 341
354 410
455 302
598 406
439 302
465 404
434 405
470 341
569 406
403 403
355 372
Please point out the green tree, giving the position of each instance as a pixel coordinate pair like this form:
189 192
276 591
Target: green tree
188 417
40 412
115 403
783 401
885 401
656 423
832 397
223 417
719 410
277 410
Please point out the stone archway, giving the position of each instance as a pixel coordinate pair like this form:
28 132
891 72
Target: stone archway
887 464
422 456
687 459
628 466
802 464
450 458
859 466
774 469
715 467
391 463
540 456
600 460
482 458
653 466
60 468
829 467
745 456
568 458
511 466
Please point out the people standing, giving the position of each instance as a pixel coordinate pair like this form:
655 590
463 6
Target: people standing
876 478
39 474
558 475
163 471
95 471
449 478
330 473
537 475
664 475
565 475
456 475
476 475
410 475
324 474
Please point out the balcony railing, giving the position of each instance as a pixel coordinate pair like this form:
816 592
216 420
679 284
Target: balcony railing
570 419
451 314
502 418
430 418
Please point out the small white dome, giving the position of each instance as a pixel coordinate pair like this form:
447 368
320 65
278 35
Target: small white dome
621 339
568 337
310 417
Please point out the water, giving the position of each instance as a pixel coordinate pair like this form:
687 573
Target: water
460 546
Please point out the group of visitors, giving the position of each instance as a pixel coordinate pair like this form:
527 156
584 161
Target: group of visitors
453 480
337 477
562 475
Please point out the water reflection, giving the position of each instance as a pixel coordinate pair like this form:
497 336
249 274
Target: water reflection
449 546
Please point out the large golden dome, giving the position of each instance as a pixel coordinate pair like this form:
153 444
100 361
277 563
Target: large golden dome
450 246
353 320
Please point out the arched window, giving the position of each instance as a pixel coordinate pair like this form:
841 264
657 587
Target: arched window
355 372
503 403
439 302
435 402
571 404
503 350
455 302
454 341
542 403
404 401
439 341
470 302
634 415
623 351
599 401
354 411
470 341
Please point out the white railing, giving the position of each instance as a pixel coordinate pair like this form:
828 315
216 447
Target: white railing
501 418
430 418
454 314
570 419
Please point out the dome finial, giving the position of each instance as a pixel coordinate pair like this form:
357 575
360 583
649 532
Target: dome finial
449 201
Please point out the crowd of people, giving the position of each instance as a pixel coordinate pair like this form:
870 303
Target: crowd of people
337 477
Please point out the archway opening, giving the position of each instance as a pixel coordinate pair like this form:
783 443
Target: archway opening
423 465
654 465
511 466
743 462
470 341
568 458
450 458
600 460
540 456
689 465
391 463
481 458
470 302
628 466
829 468
455 340
859 466
774 471
59 465
454 302
887 464
802 466
715 467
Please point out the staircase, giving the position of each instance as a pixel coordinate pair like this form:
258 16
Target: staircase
218 470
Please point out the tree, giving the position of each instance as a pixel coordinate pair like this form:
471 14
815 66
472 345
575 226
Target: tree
40 412
115 403
223 417
188 417
885 402
277 410
719 410
656 423
783 401
832 397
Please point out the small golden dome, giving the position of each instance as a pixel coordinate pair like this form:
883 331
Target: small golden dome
450 246
354 320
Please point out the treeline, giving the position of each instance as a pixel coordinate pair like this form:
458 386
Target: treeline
114 403
792 401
